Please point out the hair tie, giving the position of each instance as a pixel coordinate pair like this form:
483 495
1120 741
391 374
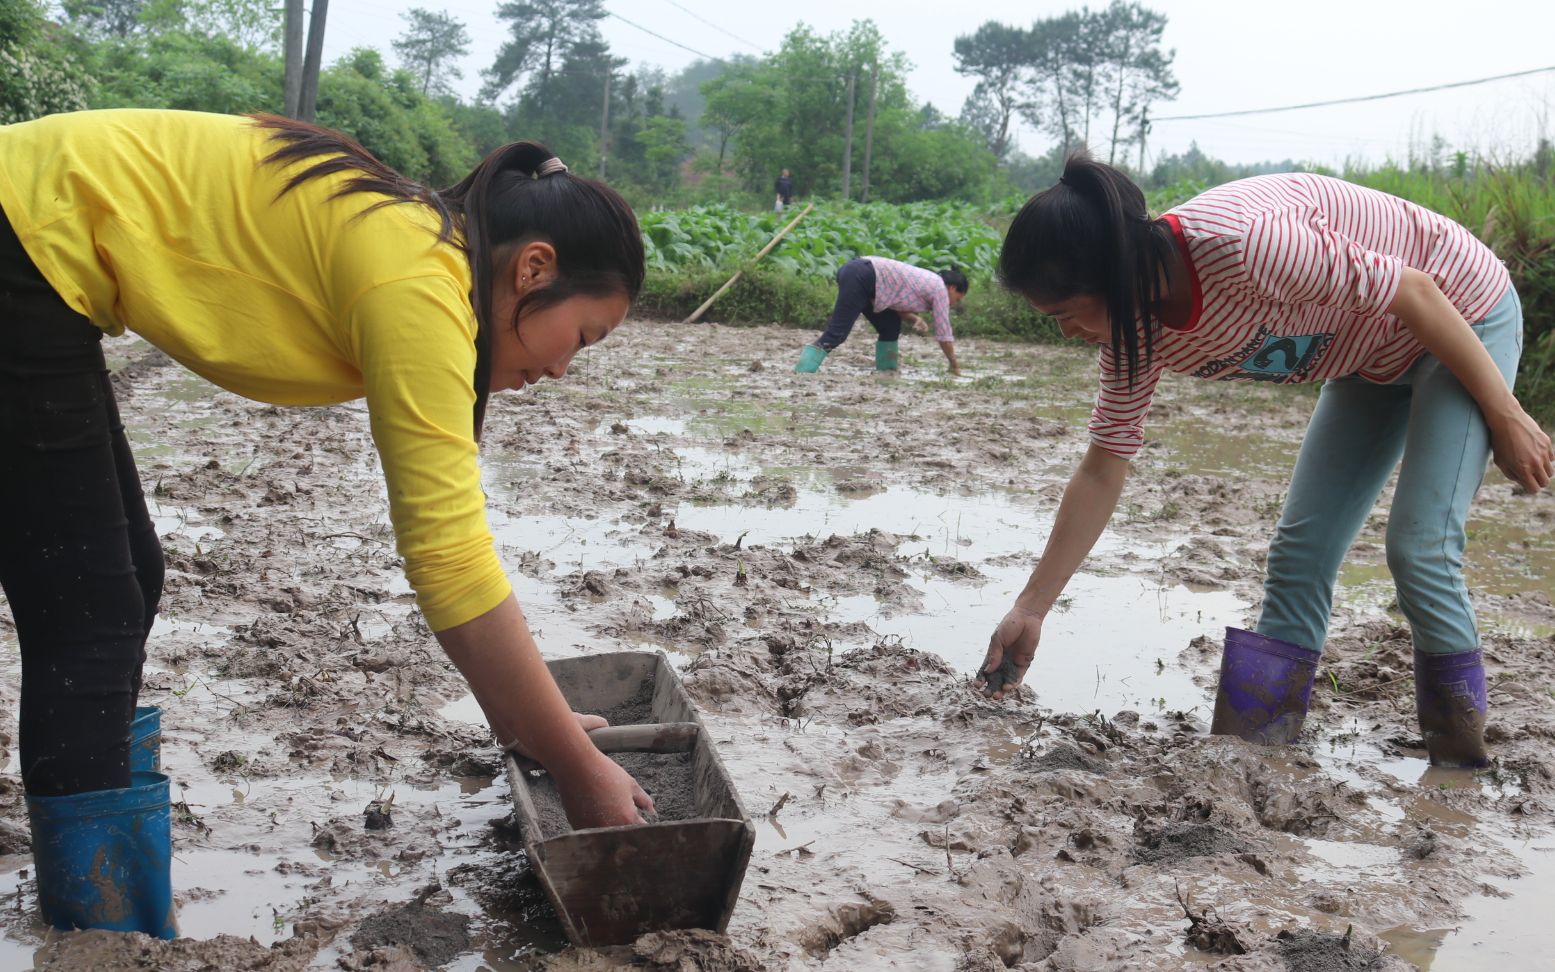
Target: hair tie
549 167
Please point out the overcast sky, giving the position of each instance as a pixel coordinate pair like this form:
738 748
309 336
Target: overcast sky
1231 54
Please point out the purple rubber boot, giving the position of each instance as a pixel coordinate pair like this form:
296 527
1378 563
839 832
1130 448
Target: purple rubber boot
1450 703
1265 686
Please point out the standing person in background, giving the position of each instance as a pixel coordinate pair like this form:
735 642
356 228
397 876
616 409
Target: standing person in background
1414 328
285 263
884 290
785 192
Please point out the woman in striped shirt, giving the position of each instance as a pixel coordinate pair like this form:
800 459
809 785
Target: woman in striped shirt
1414 328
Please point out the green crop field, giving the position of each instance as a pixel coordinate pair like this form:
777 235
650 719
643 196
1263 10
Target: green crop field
932 235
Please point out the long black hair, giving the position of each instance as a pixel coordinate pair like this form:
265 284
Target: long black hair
1091 234
505 199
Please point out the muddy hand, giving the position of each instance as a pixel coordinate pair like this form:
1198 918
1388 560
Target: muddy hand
604 795
1523 452
1010 651
587 723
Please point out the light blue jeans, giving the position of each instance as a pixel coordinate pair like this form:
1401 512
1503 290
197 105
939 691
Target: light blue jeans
1357 435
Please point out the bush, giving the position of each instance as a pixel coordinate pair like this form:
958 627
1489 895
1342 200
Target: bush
761 296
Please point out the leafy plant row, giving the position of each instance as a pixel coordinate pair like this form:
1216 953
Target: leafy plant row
931 235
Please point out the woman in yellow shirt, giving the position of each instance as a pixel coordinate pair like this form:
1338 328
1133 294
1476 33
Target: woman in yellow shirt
283 262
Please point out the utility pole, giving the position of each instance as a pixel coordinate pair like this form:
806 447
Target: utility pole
1144 129
310 64
847 146
869 129
604 128
293 47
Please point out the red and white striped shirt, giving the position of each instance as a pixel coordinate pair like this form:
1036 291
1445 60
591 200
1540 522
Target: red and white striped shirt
1292 276
904 287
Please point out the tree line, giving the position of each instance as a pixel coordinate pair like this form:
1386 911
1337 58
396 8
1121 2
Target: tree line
833 108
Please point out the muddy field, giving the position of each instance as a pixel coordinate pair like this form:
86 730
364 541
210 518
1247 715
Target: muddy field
823 557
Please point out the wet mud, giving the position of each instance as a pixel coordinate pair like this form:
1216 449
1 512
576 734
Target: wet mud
666 777
823 557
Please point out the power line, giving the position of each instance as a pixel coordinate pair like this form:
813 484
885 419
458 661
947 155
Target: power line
1355 100
707 57
713 25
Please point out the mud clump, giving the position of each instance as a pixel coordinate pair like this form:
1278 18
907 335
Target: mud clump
1061 756
434 937
1177 841
668 778
1310 951
116 950
998 679
692 950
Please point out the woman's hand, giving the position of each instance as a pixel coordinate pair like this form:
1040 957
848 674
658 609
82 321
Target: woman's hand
1522 450
1010 651
918 326
600 793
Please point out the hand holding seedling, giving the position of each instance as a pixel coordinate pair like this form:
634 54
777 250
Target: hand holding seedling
1010 651
918 326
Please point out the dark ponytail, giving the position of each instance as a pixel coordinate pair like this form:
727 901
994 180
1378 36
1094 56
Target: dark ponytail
504 200
1090 234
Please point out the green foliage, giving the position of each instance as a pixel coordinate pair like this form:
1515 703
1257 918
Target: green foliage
691 252
430 42
932 235
790 110
387 113
997 55
37 75
184 70
763 295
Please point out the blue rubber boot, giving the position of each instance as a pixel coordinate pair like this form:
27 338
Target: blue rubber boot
1450 702
146 740
1265 688
887 356
104 858
810 359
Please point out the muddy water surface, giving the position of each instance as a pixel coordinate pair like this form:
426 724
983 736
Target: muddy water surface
824 558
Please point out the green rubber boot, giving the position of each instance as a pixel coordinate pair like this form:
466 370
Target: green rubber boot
810 359
887 357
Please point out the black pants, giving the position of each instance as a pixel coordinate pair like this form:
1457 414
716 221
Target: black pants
79 557
855 296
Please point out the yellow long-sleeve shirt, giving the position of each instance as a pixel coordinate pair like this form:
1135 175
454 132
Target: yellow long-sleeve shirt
168 224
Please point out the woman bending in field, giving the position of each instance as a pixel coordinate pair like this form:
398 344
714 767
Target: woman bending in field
283 262
1413 326
886 292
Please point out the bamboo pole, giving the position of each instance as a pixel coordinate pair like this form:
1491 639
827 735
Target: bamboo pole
697 314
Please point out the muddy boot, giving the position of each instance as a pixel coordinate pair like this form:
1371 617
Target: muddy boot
1450 703
146 740
104 858
1265 686
810 359
887 357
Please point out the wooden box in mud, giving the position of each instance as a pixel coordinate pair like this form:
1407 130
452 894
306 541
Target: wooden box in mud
611 884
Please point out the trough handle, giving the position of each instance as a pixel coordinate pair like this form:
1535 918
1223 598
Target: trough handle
653 737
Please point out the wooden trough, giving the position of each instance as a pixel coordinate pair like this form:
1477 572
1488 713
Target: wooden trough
611 884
